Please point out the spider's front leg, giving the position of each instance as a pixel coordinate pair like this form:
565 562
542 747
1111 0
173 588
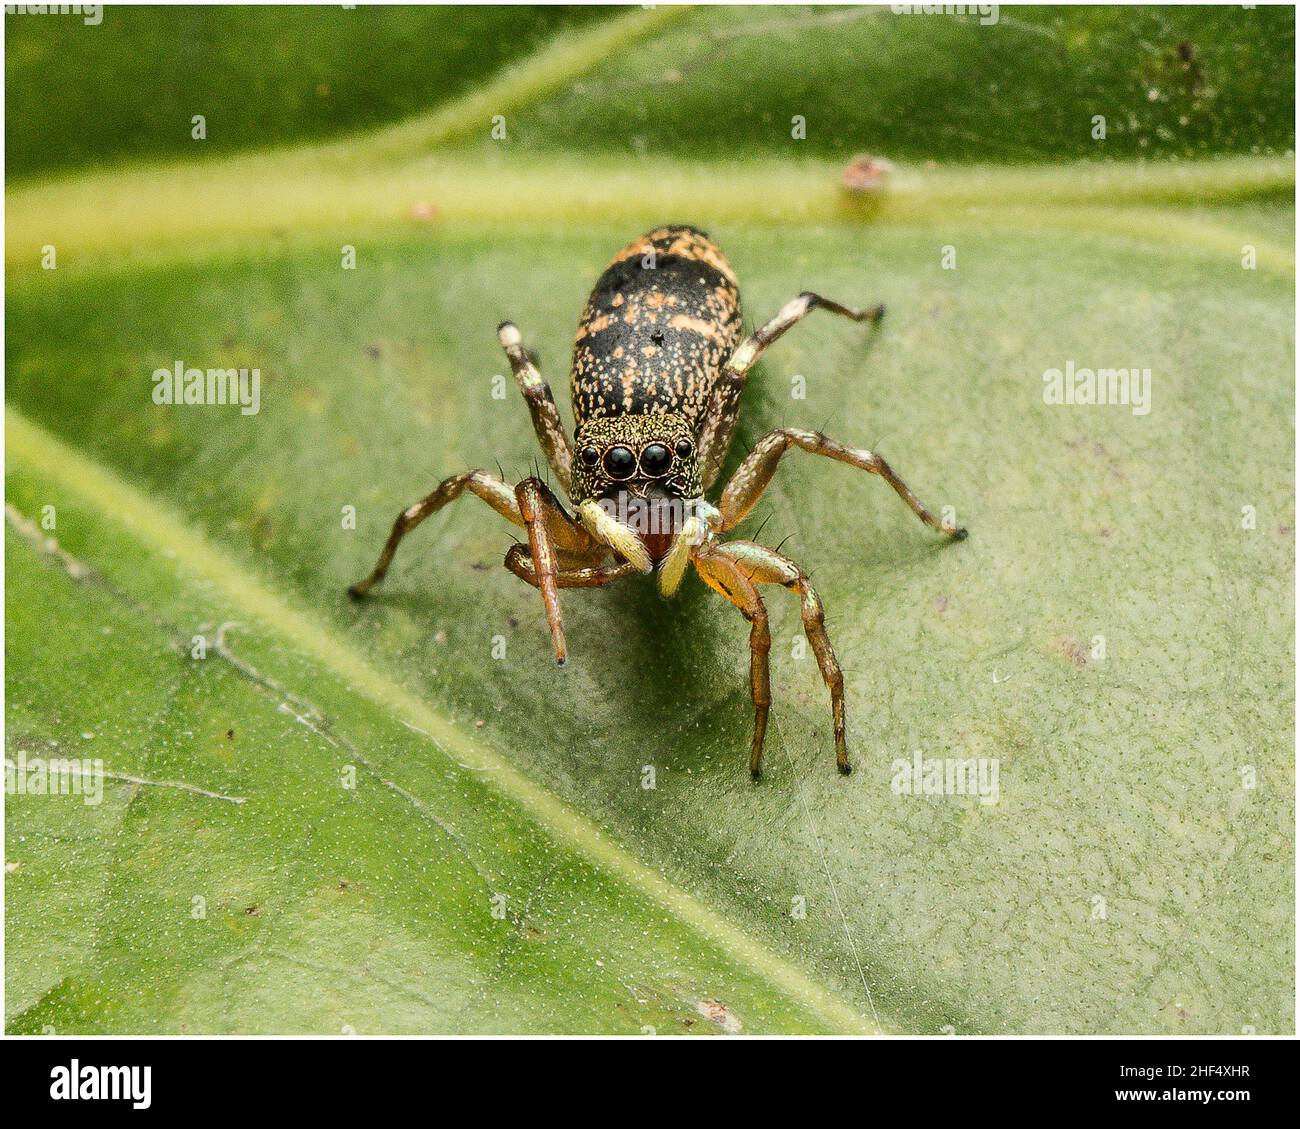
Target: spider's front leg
486 486
550 531
761 565
530 505
725 576
519 561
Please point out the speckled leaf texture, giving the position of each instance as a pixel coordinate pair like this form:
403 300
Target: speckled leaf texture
400 816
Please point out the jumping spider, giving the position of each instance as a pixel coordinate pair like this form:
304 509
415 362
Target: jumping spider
658 371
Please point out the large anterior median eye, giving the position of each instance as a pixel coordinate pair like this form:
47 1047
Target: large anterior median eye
619 462
656 459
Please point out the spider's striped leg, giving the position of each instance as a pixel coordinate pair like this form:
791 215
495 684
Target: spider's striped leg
746 486
724 405
519 561
541 404
550 531
766 566
486 486
722 573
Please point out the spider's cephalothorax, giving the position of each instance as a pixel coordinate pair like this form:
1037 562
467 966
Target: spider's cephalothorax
633 454
642 471
658 371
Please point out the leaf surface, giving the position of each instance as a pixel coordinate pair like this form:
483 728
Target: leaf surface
1110 635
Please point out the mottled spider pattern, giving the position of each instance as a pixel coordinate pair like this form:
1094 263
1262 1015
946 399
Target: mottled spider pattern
595 467
658 326
659 366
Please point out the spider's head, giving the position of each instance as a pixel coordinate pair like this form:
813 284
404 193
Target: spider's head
643 471
639 456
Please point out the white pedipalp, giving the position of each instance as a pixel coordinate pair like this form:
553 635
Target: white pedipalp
612 532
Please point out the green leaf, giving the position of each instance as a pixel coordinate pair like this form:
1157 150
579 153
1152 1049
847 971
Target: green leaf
354 861
1126 880
1170 81
315 73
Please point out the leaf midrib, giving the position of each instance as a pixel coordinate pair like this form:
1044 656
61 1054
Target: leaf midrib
174 212
159 531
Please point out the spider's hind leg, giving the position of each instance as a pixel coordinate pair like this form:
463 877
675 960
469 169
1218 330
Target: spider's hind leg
541 404
724 404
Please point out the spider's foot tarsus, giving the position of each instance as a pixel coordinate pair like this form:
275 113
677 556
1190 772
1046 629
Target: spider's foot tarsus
358 591
756 774
559 643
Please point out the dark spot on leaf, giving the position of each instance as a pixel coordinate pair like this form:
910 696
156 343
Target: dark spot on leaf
1072 650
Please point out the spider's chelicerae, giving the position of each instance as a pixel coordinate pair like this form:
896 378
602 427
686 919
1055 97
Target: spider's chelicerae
658 371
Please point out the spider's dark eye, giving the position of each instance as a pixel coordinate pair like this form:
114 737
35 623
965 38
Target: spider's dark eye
684 448
619 462
656 459
589 455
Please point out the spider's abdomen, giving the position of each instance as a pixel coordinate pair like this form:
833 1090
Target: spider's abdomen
658 326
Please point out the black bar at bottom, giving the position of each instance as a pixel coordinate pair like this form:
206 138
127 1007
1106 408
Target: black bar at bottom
338 1076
